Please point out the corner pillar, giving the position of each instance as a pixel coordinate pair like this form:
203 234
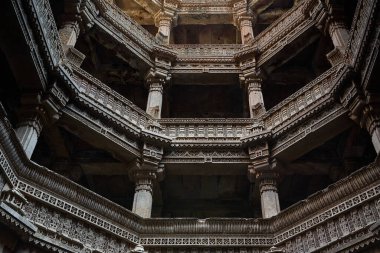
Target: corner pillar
246 29
69 33
270 204
263 172
143 197
164 22
145 173
31 116
255 96
371 121
155 97
338 32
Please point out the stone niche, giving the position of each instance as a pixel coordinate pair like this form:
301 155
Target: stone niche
206 34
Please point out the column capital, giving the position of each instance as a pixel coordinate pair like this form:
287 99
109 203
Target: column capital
253 83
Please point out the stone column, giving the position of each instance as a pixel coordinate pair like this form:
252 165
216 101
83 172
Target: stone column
246 30
255 96
28 132
69 33
338 32
270 204
31 116
143 198
371 121
154 105
164 22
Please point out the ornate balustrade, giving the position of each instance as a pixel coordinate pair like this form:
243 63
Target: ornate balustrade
206 129
308 98
47 29
121 27
189 51
283 31
110 101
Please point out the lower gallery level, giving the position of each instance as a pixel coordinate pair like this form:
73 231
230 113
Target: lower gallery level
189 126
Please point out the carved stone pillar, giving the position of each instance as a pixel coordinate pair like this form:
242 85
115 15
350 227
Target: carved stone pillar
155 97
246 30
371 121
28 132
69 33
338 32
31 116
143 198
164 22
255 96
263 173
270 204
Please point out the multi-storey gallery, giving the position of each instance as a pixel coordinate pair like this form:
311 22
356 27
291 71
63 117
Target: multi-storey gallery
189 126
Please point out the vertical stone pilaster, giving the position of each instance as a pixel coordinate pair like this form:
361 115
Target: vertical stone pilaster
164 22
243 19
264 173
246 29
155 97
31 117
145 173
69 33
371 121
143 197
338 32
28 132
255 96
270 204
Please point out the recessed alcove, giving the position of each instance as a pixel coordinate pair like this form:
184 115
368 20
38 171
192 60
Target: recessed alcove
206 34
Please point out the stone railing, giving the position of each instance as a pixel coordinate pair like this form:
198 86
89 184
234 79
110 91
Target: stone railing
205 51
206 129
284 115
45 25
121 28
289 26
110 101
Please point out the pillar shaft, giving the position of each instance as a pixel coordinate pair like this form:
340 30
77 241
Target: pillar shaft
246 30
28 132
338 33
164 29
255 97
154 105
69 33
371 121
144 178
270 204
143 198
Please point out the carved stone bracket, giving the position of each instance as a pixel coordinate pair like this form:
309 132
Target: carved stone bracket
14 198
